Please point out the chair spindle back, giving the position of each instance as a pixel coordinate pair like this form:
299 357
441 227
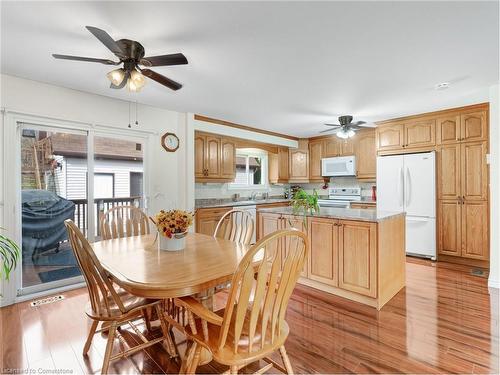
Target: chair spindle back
123 221
236 226
260 290
101 292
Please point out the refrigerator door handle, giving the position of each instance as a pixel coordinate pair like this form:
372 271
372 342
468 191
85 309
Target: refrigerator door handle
408 187
400 186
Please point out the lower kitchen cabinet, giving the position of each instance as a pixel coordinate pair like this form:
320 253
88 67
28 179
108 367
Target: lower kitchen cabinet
206 219
324 247
463 229
475 242
449 239
269 223
358 257
362 261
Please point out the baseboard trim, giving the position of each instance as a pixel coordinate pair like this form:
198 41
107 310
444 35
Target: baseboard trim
493 283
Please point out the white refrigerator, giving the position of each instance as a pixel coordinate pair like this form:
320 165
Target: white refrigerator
408 183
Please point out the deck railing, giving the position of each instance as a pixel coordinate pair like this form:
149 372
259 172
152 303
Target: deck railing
101 205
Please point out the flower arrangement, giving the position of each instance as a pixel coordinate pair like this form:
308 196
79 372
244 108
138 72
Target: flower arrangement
170 223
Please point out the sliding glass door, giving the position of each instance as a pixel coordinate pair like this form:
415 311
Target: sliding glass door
53 189
70 174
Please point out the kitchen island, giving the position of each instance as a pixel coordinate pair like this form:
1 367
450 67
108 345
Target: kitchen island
356 254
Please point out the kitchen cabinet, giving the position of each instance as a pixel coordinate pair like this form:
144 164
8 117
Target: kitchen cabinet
366 155
215 158
316 152
363 205
449 239
332 147
420 134
324 244
389 137
283 165
299 162
358 257
363 261
403 136
475 242
270 222
448 129
228 159
347 147
206 219
474 126
474 170
448 171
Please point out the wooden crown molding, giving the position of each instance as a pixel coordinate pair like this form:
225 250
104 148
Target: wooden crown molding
243 127
420 116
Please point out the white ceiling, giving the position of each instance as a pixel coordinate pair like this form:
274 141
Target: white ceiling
281 66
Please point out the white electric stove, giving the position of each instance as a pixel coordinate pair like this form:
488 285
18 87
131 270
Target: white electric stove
341 197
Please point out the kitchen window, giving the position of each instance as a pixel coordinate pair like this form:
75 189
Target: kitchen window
251 170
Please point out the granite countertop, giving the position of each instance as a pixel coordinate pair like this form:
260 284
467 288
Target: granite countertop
212 203
341 213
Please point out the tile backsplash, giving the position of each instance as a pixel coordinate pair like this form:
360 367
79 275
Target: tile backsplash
221 191
340 182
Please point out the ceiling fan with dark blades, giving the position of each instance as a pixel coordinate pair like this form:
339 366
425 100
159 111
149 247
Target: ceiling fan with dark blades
131 54
346 128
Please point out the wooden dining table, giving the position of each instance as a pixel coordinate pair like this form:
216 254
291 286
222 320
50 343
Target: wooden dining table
138 266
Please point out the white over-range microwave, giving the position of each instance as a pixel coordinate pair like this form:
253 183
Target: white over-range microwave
339 166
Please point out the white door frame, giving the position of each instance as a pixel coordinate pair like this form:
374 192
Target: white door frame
13 123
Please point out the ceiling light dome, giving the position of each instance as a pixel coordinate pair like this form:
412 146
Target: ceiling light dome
344 134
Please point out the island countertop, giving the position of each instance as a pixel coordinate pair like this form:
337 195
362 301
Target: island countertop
374 216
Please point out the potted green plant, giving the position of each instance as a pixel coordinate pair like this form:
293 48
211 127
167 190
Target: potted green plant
302 202
9 256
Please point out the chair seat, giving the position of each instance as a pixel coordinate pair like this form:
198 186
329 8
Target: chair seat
226 355
131 303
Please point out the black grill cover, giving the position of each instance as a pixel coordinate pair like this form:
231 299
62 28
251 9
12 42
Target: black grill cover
43 215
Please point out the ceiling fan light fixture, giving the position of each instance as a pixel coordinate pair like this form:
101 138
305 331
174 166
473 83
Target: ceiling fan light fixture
132 86
116 76
138 78
344 134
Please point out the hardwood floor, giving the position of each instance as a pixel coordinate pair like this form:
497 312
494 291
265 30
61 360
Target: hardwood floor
444 321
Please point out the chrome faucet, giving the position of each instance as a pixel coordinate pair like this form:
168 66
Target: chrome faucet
253 195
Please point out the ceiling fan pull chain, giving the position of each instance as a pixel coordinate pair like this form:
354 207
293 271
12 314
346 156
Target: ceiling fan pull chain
129 114
136 113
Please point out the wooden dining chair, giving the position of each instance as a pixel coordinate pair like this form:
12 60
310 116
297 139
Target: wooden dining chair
123 221
252 325
236 226
113 307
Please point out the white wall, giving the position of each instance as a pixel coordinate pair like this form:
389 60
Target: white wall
168 171
494 278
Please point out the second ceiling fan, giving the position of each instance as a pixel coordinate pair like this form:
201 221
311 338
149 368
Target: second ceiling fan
131 55
346 128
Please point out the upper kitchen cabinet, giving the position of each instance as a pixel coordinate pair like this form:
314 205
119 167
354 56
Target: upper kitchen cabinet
347 147
474 126
397 137
215 158
389 137
366 155
299 162
283 165
420 134
278 166
448 129
316 152
331 147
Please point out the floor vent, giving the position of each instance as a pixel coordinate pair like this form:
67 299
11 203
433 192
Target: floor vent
47 300
478 272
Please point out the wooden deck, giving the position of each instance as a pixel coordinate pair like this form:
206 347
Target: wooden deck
444 321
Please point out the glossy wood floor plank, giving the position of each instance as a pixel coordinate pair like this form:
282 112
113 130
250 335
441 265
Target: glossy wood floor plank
444 321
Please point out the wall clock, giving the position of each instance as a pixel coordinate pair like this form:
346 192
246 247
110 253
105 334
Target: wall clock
170 142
